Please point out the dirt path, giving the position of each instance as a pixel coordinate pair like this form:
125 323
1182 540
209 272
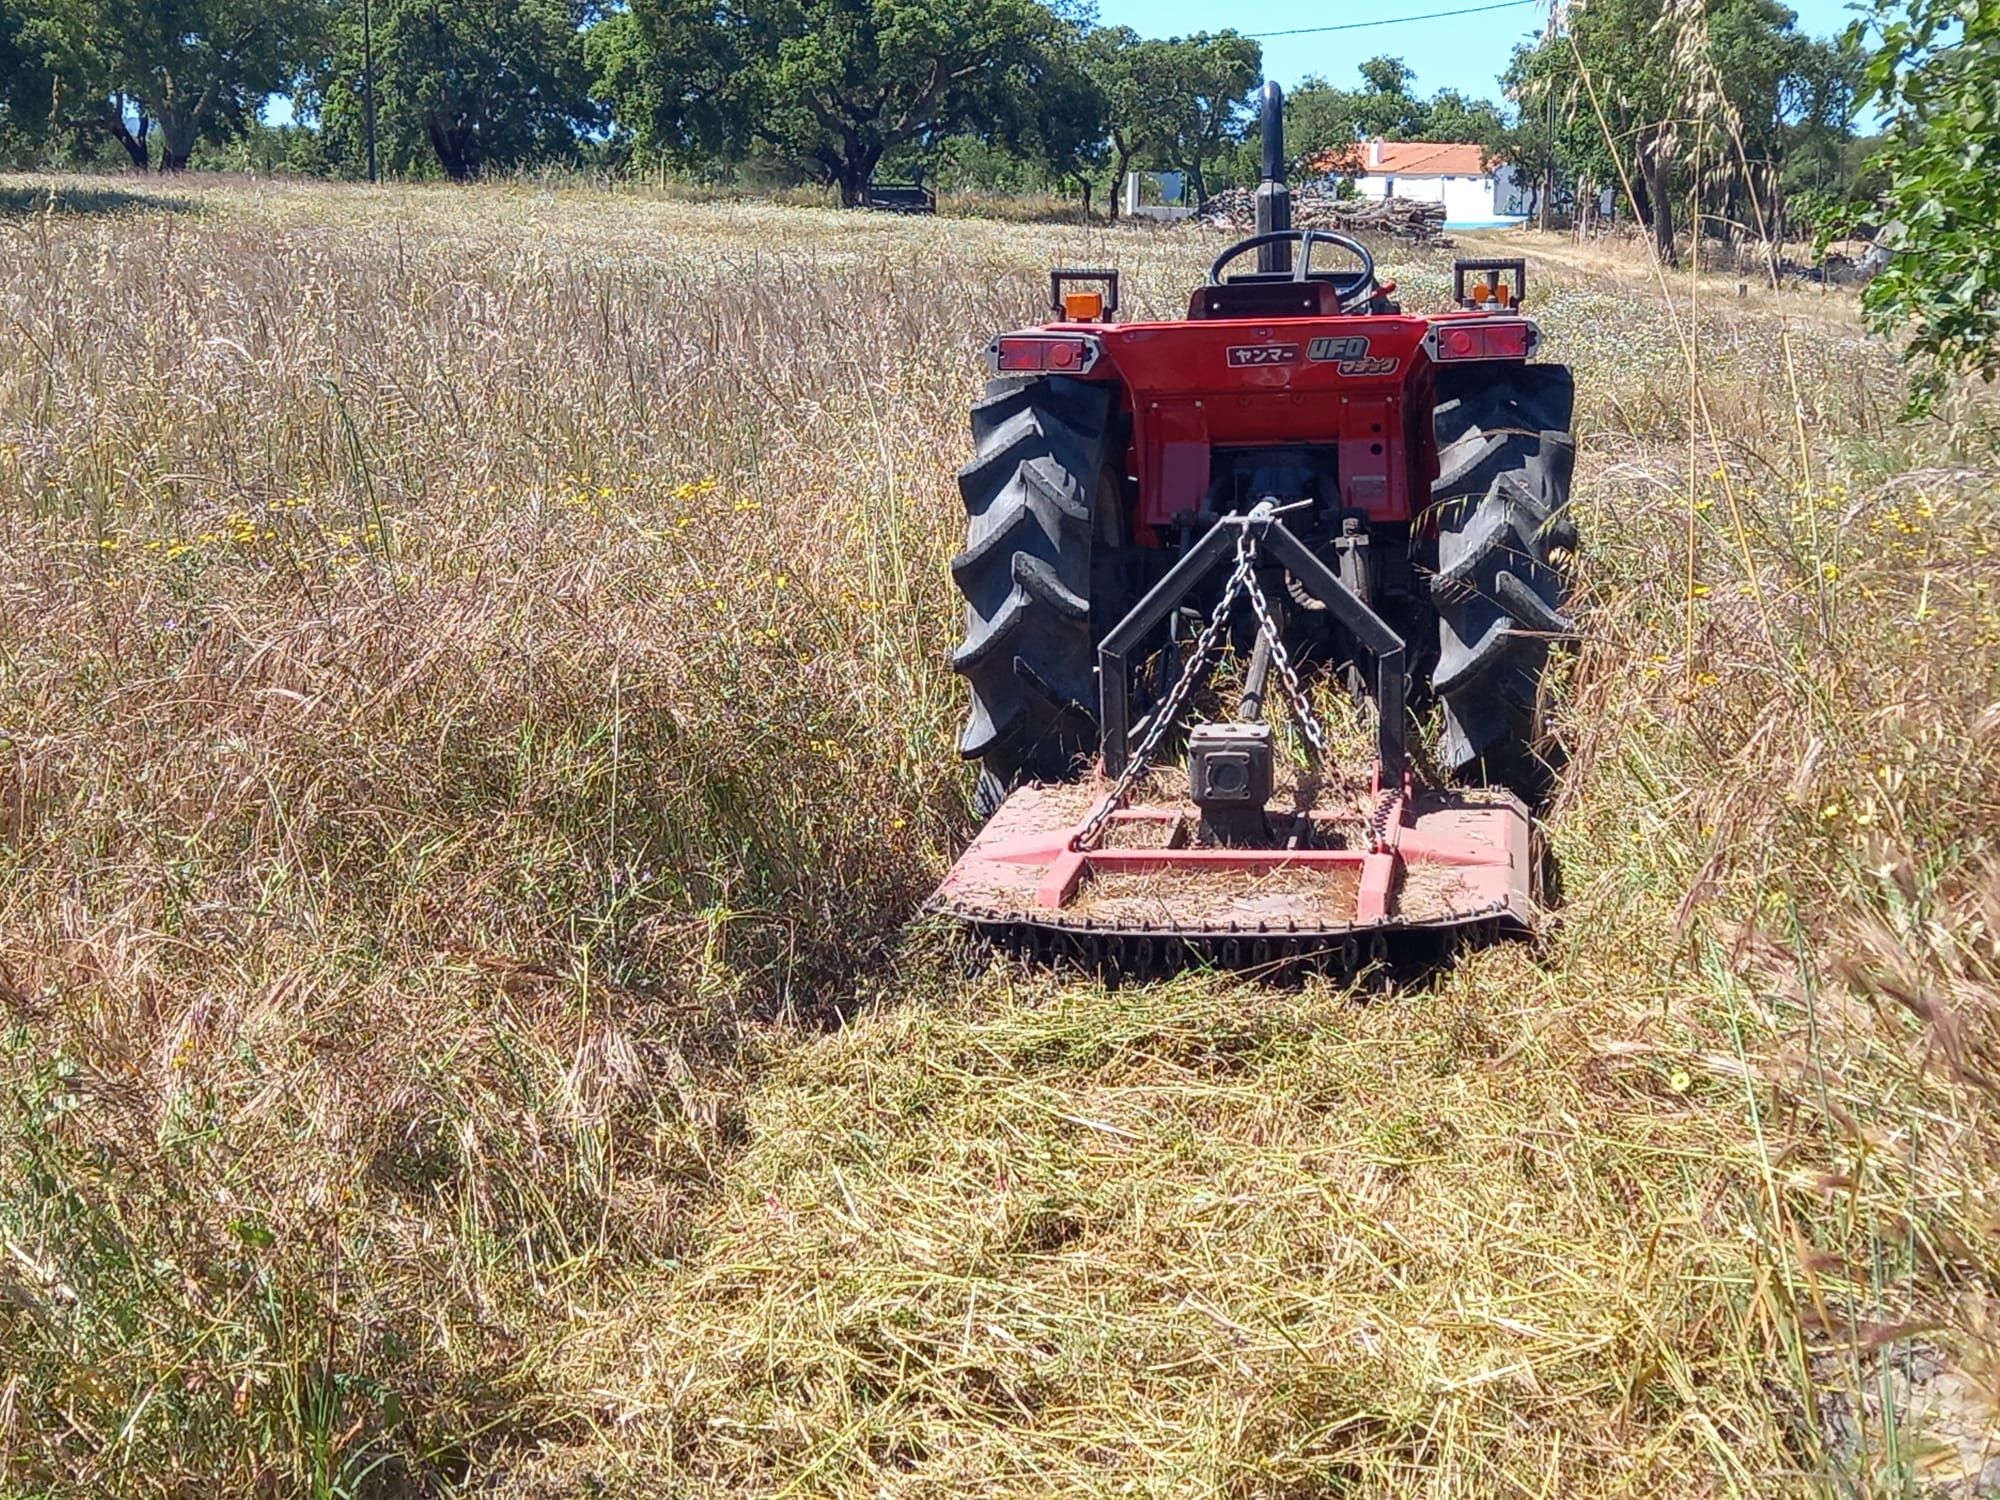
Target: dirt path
1630 266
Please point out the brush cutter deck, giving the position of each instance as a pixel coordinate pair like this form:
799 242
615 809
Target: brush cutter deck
1223 862
1442 859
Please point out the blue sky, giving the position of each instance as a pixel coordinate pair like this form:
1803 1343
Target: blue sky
1463 52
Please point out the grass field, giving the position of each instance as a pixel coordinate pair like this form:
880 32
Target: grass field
473 732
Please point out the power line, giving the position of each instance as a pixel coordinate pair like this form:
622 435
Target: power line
1436 15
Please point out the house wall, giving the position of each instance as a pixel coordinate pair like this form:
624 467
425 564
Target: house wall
1468 201
1464 198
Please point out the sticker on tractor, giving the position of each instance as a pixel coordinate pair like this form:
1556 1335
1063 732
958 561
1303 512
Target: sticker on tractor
1337 351
1382 365
1264 354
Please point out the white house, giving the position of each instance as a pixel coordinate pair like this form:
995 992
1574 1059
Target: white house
1474 195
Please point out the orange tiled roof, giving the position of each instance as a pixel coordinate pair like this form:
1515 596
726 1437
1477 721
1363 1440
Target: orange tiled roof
1403 159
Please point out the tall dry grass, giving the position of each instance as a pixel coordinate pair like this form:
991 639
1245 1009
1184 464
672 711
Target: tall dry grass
475 730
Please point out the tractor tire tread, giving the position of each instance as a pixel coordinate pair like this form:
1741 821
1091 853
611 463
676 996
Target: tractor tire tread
1030 491
1048 504
1501 504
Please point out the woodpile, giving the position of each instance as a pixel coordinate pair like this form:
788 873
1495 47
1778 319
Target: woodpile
1316 207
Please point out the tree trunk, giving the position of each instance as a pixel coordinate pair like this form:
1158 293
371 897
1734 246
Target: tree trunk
134 144
135 147
180 123
451 145
1118 174
857 170
1656 170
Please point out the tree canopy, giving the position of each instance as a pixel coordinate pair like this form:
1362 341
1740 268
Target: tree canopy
1937 73
1322 120
1200 89
1663 100
119 69
461 86
28 77
1718 104
835 85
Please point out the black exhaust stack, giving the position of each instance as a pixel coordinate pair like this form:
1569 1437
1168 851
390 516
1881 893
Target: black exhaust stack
1274 199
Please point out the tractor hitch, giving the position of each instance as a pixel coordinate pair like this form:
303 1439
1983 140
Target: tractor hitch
1264 528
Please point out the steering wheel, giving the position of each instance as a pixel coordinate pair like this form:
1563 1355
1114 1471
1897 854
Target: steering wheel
1364 280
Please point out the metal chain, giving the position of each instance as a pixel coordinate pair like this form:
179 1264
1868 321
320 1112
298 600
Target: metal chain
1302 708
1242 580
1164 717
1378 821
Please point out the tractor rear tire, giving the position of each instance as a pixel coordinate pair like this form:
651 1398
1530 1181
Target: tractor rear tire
1039 492
1505 461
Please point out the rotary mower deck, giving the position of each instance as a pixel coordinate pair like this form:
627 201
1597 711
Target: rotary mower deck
1238 861
1151 895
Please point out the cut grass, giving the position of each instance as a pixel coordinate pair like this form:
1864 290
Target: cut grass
475 729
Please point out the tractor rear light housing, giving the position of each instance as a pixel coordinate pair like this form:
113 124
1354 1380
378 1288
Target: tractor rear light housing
1083 307
1482 338
1043 354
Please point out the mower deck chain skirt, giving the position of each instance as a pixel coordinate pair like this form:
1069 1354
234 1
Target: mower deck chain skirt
1148 955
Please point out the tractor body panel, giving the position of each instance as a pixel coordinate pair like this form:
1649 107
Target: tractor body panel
1357 386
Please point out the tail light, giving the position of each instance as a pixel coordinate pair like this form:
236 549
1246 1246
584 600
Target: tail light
1482 338
1043 353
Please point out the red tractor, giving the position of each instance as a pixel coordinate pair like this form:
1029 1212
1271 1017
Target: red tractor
1302 470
